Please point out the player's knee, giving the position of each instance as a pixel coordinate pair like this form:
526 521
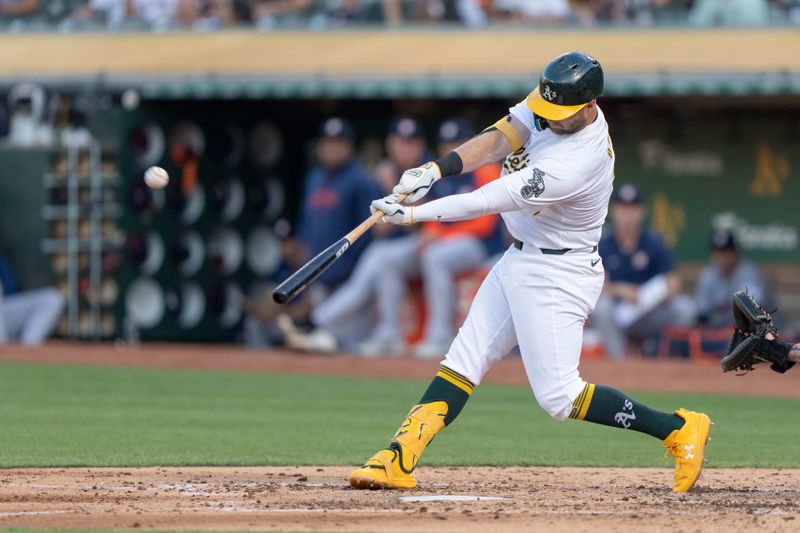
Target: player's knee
52 299
602 310
557 400
432 257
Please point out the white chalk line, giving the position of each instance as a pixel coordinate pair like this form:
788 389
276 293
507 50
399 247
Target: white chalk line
539 512
452 498
34 513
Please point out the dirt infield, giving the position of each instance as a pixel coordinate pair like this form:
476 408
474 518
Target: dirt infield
633 374
318 498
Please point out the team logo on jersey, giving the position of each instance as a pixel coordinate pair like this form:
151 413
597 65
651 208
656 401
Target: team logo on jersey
549 94
535 185
516 161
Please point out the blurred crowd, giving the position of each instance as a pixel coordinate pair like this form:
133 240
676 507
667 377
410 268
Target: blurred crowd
211 15
397 290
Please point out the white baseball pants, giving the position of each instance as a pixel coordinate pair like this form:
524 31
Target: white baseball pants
539 302
30 316
382 271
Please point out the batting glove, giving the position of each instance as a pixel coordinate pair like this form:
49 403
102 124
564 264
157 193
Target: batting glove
416 182
394 211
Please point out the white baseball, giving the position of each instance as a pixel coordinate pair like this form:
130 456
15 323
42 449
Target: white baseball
156 177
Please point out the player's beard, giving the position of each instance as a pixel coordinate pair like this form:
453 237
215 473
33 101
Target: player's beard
563 130
560 128
573 124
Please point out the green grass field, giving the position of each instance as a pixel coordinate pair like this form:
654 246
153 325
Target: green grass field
53 415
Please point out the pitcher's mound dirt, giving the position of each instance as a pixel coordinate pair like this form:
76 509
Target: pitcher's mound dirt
318 498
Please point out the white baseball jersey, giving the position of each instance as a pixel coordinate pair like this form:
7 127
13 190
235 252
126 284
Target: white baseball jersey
553 194
561 183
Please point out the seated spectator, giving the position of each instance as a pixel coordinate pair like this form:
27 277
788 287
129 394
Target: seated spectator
270 14
344 13
345 314
592 12
27 317
729 13
642 290
12 9
727 273
154 14
396 12
533 11
337 195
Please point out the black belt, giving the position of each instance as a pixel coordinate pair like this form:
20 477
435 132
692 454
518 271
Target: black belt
550 251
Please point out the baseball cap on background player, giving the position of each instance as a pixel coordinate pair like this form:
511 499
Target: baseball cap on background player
406 127
723 240
455 130
337 128
628 194
566 85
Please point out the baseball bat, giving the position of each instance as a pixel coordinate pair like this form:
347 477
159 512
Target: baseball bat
305 276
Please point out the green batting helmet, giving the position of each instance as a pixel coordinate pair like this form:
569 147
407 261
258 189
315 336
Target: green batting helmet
567 84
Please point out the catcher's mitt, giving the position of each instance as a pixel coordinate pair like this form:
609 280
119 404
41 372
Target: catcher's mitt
755 338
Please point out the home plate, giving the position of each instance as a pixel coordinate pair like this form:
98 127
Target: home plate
451 498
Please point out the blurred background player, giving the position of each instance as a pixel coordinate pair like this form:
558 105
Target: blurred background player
333 200
437 253
28 317
642 290
346 313
336 190
727 273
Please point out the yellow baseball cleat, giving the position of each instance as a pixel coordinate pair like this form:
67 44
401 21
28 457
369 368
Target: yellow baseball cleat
687 445
383 470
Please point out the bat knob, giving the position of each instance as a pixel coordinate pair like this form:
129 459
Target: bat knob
280 297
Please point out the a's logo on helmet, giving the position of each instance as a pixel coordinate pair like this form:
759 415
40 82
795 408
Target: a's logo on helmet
535 185
549 94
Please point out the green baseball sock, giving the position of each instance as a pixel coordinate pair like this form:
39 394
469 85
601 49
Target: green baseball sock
450 387
610 407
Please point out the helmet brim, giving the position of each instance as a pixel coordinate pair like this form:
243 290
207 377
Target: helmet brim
549 110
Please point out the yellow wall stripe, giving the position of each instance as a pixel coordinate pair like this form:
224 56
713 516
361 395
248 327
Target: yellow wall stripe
398 53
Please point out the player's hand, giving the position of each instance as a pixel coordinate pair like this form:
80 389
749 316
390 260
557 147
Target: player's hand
394 211
416 182
625 291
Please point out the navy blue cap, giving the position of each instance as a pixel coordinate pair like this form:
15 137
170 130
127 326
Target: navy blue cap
406 127
337 128
722 240
628 193
455 130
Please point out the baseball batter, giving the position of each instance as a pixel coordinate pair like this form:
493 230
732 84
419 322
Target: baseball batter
553 195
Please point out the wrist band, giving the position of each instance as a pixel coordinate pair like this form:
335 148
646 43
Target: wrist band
450 165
